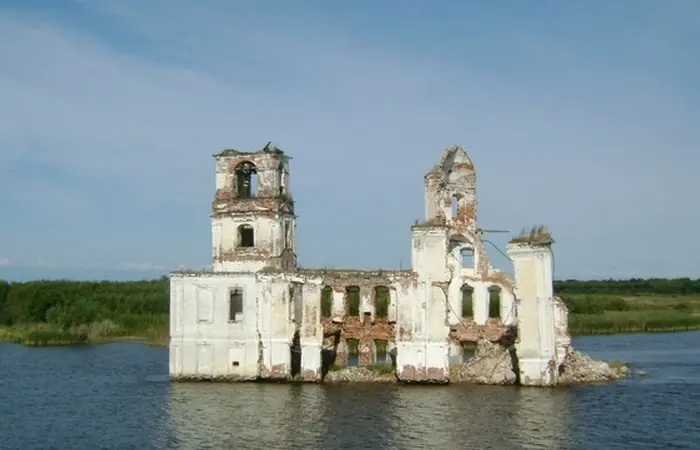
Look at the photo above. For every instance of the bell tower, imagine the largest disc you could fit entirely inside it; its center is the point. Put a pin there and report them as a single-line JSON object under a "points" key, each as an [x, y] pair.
{"points": [[253, 222]]}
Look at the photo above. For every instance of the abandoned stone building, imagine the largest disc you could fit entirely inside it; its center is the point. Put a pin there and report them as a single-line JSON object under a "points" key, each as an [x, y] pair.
{"points": [[256, 315]]}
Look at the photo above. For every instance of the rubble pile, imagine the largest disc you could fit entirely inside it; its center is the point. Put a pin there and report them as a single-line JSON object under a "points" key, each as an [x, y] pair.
{"points": [[491, 364]]}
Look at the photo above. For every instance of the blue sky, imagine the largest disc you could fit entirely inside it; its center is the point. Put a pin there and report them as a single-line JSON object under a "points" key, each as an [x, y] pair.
{"points": [[581, 115]]}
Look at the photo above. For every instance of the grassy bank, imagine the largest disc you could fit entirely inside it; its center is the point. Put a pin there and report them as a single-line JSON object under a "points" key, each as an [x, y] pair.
{"points": [[154, 331], [606, 314], [73, 312]]}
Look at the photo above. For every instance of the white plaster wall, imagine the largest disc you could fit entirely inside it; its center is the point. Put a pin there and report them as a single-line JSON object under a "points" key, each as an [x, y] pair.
{"points": [[393, 305], [275, 326], [268, 233], [480, 302], [422, 329], [366, 303], [429, 253], [508, 310], [405, 306], [536, 322], [311, 330], [203, 342], [454, 289], [338, 305]]}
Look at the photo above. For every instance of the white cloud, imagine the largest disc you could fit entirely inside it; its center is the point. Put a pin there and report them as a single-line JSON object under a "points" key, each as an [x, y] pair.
{"points": [[4, 261]]}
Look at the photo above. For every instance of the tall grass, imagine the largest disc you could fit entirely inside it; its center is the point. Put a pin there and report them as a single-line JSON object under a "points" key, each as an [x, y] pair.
{"points": [[611, 322]]}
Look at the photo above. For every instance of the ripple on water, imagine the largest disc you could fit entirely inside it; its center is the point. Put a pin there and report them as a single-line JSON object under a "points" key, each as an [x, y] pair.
{"points": [[118, 396]]}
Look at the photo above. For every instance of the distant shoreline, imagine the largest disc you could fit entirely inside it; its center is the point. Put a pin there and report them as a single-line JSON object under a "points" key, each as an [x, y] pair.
{"points": [[26, 335], [64, 312]]}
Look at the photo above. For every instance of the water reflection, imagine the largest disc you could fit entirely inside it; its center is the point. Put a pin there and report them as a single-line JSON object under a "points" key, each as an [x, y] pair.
{"points": [[542, 418], [117, 396], [243, 415], [358, 416]]}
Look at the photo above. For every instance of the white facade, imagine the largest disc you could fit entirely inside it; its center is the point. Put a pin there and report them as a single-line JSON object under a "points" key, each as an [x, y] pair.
{"points": [[544, 342], [256, 315]]}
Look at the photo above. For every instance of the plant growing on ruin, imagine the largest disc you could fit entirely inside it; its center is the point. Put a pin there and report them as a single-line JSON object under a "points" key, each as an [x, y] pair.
{"points": [[537, 235]]}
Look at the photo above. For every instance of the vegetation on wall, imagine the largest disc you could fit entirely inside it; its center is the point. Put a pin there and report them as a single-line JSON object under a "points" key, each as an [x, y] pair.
{"points": [[69, 312]]}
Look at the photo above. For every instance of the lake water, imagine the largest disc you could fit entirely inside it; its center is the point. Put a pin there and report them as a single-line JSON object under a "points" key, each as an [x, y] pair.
{"points": [[117, 396]]}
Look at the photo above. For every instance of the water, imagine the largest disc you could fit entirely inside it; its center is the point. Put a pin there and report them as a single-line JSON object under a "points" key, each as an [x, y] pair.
{"points": [[117, 396]]}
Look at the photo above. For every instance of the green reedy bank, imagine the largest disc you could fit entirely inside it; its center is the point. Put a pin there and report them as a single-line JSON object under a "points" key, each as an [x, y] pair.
{"points": [[79, 312], [84, 312]]}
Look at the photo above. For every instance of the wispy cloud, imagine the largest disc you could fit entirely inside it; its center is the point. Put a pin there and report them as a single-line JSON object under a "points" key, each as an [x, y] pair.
{"points": [[111, 111]]}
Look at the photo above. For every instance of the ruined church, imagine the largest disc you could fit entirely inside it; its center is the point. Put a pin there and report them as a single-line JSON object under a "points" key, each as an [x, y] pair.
{"points": [[256, 315]]}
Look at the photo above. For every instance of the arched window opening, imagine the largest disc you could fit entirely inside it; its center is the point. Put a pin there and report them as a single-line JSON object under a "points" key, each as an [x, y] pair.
{"points": [[353, 346], [352, 300], [326, 301], [282, 178], [287, 234], [246, 180], [467, 257], [381, 355], [494, 301], [381, 302], [455, 205], [467, 301], [246, 236]]}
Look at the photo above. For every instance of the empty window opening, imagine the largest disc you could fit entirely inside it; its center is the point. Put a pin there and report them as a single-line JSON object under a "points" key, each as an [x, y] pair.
{"points": [[468, 350], [235, 312], [287, 234], [282, 171], [246, 180], [381, 302], [353, 346], [295, 303], [326, 301], [467, 255], [295, 354], [494, 301], [246, 236], [236, 364], [467, 301], [455, 205], [352, 300], [382, 357]]}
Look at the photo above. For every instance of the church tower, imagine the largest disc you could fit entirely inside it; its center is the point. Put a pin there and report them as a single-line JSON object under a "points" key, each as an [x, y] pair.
{"points": [[253, 223]]}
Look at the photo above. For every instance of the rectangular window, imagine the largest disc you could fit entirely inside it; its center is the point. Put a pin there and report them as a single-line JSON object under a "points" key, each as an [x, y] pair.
{"points": [[235, 305]]}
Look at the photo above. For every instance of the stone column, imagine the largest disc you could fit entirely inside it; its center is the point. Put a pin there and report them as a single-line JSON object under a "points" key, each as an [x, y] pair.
{"points": [[366, 352], [393, 306], [535, 312], [338, 304], [366, 303], [454, 300], [311, 332], [341, 356], [561, 331], [480, 303]]}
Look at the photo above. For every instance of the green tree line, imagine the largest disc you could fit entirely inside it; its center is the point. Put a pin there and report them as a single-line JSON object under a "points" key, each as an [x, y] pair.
{"points": [[633, 286], [135, 306]]}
